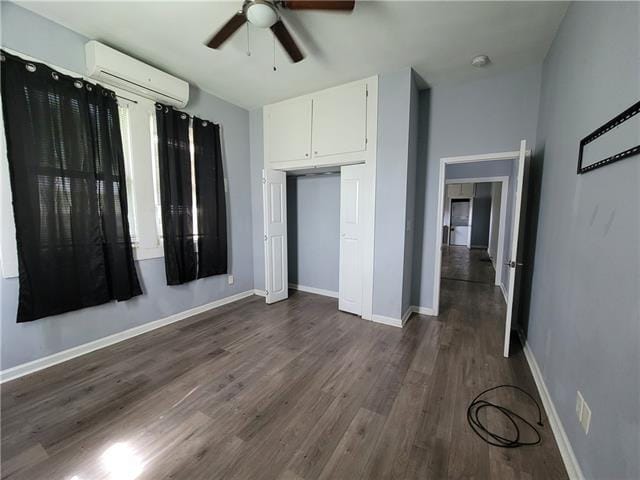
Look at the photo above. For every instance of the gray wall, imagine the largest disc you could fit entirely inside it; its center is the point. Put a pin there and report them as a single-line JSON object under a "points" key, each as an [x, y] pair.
{"points": [[584, 322], [313, 230], [256, 145], [412, 165], [487, 115], [496, 197], [33, 35], [394, 99], [481, 215]]}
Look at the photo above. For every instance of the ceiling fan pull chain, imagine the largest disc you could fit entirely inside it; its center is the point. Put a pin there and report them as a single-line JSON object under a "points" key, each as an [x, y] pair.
{"points": [[274, 52], [248, 42]]}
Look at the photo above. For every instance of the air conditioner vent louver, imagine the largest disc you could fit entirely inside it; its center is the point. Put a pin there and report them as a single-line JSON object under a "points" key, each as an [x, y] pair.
{"points": [[119, 70]]}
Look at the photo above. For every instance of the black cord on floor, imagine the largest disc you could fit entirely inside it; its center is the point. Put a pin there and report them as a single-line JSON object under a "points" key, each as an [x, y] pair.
{"points": [[492, 438]]}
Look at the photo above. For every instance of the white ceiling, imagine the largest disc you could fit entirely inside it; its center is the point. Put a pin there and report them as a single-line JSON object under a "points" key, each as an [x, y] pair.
{"points": [[438, 39]]}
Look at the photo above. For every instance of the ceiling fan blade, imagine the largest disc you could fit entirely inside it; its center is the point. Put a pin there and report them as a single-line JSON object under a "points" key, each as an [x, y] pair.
{"points": [[346, 5], [287, 41], [227, 30]]}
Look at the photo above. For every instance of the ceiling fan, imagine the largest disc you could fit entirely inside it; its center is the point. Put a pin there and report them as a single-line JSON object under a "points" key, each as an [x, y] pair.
{"points": [[265, 14]]}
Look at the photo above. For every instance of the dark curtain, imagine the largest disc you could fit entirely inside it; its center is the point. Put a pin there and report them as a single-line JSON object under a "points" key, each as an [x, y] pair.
{"points": [[210, 199], [176, 195], [69, 197]]}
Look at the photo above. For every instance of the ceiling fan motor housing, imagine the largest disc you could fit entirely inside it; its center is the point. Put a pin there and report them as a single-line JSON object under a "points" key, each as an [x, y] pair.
{"points": [[261, 13]]}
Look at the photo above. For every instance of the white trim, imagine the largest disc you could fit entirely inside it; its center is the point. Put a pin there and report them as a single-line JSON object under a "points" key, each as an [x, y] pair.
{"points": [[566, 451], [317, 291], [423, 310], [406, 316], [259, 293], [504, 292], [483, 157], [393, 322], [59, 357]]}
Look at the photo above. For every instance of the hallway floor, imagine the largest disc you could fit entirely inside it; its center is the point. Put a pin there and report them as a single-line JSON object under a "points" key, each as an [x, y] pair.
{"points": [[295, 390]]}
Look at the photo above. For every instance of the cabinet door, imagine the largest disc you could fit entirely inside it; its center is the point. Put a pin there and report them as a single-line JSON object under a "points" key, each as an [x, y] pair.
{"points": [[340, 120], [289, 131]]}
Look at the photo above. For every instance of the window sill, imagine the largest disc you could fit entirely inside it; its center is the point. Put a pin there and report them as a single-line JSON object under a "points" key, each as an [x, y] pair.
{"points": [[147, 253]]}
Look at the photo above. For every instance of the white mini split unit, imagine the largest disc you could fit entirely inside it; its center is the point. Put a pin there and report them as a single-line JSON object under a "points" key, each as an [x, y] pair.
{"points": [[114, 68]]}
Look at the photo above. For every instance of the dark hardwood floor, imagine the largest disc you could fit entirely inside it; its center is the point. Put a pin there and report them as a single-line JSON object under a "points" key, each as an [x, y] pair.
{"points": [[296, 390]]}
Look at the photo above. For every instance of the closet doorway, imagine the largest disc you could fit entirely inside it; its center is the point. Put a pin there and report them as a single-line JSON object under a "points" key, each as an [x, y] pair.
{"points": [[318, 237]]}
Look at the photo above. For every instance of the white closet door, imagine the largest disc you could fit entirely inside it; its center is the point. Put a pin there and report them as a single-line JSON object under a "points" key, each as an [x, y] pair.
{"points": [[275, 234], [352, 180]]}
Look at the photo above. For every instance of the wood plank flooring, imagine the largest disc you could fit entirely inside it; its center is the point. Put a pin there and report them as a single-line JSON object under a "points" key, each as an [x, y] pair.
{"points": [[295, 390]]}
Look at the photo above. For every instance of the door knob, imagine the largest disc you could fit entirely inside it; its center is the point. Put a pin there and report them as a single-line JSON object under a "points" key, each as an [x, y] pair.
{"points": [[513, 264]]}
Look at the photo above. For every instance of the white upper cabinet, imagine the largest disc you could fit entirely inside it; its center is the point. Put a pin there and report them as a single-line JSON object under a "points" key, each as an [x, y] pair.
{"points": [[340, 120], [332, 127], [287, 130]]}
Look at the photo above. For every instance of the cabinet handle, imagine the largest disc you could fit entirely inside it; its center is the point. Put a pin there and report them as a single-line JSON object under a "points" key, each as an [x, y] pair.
{"points": [[306, 154], [315, 153]]}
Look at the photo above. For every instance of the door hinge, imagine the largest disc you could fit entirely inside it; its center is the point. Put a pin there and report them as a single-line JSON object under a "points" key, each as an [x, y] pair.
{"points": [[264, 180], [513, 264], [265, 238], [266, 293]]}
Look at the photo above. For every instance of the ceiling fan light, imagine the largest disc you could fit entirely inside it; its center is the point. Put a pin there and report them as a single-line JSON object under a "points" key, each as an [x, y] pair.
{"points": [[262, 14]]}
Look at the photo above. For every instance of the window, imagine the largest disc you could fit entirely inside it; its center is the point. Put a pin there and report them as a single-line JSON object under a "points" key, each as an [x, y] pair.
{"points": [[125, 129], [156, 178]]}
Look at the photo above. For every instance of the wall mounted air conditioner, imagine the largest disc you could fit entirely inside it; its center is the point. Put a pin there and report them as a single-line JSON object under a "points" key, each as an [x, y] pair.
{"points": [[112, 67]]}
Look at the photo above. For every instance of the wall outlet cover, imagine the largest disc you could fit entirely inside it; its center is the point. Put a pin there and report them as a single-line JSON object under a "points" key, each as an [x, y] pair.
{"points": [[585, 421], [579, 404], [230, 279]]}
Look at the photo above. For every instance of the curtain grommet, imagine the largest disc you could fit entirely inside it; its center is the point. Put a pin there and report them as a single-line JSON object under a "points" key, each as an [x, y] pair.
{"points": [[55, 75], [183, 116], [77, 84], [89, 87], [30, 67], [158, 106], [2, 57], [204, 124]]}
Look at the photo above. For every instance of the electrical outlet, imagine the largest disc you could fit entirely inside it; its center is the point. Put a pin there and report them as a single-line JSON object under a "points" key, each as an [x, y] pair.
{"points": [[579, 404], [230, 279], [585, 420]]}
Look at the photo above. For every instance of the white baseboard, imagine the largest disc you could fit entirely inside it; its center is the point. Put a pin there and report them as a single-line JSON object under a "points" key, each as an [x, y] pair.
{"points": [[48, 361], [566, 451], [504, 292], [423, 310], [394, 322], [260, 293], [317, 291]]}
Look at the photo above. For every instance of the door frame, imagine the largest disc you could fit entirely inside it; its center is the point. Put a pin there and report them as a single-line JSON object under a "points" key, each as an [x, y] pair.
{"points": [[487, 157], [499, 260]]}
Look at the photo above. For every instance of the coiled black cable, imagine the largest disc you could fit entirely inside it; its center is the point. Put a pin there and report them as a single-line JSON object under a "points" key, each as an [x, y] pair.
{"points": [[492, 438]]}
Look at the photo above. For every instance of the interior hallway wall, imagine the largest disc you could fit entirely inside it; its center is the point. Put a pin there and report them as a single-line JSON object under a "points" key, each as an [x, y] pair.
{"points": [[496, 197], [487, 115], [313, 230], [36, 36], [481, 215], [584, 316]]}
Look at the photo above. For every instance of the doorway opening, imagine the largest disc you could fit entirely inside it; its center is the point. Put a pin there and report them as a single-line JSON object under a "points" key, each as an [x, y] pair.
{"points": [[493, 186]]}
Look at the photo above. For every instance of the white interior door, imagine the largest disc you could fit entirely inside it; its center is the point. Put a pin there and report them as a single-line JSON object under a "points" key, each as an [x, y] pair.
{"points": [[352, 179], [515, 262], [274, 189]]}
